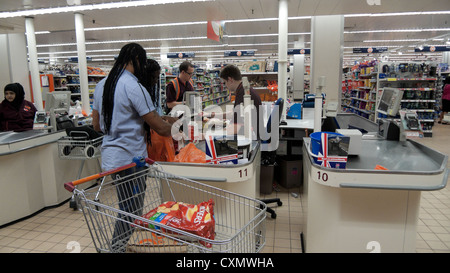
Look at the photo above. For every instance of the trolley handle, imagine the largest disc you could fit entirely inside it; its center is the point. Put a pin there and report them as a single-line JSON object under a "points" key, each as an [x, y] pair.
{"points": [[137, 161]]}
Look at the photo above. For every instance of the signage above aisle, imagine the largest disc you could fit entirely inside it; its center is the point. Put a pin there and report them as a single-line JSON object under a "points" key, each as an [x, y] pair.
{"points": [[432, 49], [180, 55], [369, 49], [75, 59], [305, 51], [239, 53]]}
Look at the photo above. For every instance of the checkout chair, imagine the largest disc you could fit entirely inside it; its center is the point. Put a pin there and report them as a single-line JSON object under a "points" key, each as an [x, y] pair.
{"points": [[272, 154]]}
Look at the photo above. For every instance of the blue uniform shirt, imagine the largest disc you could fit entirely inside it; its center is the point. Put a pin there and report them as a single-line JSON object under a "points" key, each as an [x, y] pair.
{"points": [[126, 138]]}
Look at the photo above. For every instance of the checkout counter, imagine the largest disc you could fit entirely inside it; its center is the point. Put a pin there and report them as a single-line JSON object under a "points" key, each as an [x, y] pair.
{"points": [[32, 174], [361, 208], [242, 178]]}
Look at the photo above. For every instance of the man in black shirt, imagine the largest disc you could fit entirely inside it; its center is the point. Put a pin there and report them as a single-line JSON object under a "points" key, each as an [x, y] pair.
{"points": [[231, 75]]}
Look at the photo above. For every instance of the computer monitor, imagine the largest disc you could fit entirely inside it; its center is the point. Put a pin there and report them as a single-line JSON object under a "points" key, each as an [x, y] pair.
{"points": [[390, 101], [58, 101]]}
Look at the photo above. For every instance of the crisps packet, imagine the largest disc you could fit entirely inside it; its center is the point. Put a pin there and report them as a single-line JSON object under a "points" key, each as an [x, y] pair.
{"points": [[196, 219]]}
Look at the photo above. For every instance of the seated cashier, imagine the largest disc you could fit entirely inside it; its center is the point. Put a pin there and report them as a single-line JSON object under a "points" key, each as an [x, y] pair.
{"points": [[16, 113]]}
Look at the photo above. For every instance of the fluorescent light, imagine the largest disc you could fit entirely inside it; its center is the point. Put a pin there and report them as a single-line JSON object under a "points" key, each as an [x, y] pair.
{"points": [[91, 7], [397, 30], [126, 41], [250, 20], [193, 23], [264, 35], [175, 39], [146, 40], [397, 14], [146, 26], [393, 41]]}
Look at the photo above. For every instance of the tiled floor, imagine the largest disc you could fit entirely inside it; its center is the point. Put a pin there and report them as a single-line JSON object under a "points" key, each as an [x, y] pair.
{"points": [[61, 229]]}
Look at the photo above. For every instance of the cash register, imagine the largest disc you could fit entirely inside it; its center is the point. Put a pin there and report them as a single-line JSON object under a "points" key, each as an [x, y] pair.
{"points": [[56, 114], [391, 128]]}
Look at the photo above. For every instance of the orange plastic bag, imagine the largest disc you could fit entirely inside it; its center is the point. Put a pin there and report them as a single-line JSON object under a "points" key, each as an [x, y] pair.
{"points": [[161, 148], [190, 154]]}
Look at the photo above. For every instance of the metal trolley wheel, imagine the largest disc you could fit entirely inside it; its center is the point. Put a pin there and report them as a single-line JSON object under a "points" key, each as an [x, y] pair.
{"points": [[89, 151]]}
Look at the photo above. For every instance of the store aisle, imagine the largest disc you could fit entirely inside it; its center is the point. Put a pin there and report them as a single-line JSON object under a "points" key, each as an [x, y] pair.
{"points": [[433, 234], [61, 229]]}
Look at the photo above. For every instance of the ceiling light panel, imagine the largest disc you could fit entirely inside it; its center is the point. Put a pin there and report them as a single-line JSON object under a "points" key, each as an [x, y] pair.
{"points": [[102, 6]]}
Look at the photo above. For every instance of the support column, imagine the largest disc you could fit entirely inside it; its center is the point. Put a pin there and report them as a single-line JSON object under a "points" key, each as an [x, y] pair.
{"points": [[327, 39], [34, 66], [82, 63], [446, 57], [282, 52], [299, 72]]}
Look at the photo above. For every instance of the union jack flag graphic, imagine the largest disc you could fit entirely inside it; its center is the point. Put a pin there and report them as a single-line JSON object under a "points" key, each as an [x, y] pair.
{"points": [[330, 161], [213, 158]]}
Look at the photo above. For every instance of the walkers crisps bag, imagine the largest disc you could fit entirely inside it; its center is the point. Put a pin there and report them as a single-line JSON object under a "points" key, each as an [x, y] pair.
{"points": [[196, 219]]}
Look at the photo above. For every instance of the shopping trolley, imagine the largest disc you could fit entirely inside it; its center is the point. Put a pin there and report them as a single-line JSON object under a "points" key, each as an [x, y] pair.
{"points": [[81, 143], [239, 220]]}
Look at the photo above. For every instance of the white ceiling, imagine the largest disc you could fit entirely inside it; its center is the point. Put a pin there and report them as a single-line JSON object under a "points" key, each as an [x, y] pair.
{"points": [[62, 26]]}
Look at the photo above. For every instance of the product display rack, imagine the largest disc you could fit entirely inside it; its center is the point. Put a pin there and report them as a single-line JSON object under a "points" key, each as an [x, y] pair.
{"points": [[362, 89], [207, 83], [444, 72], [260, 82], [214, 92], [418, 82], [66, 78], [359, 90]]}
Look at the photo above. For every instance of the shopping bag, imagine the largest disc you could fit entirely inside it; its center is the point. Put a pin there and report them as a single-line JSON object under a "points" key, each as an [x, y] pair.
{"points": [[190, 154], [161, 148]]}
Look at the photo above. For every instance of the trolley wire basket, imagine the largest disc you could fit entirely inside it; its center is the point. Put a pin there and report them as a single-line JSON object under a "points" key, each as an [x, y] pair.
{"points": [[79, 147], [81, 143], [239, 221]]}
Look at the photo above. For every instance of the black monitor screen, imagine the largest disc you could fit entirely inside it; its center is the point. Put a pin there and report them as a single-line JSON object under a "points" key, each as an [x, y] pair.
{"points": [[385, 100]]}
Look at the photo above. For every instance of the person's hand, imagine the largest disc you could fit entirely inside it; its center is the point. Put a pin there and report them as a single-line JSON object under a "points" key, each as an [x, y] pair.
{"points": [[206, 114], [169, 119]]}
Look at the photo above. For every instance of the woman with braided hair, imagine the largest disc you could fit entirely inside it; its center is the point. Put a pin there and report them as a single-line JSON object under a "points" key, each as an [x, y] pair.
{"points": [[121, 107]]}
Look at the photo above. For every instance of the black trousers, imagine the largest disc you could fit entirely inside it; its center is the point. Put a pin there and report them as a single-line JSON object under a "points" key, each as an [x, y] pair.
{"points": [[130, 193]]}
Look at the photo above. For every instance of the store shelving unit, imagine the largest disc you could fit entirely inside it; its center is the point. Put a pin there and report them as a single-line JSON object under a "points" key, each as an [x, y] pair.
{"points": [[214, 92], [419, 90], [363, 86], [259, 82], [66, 78], [207, 83], [359, 92], [73, 85]]}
